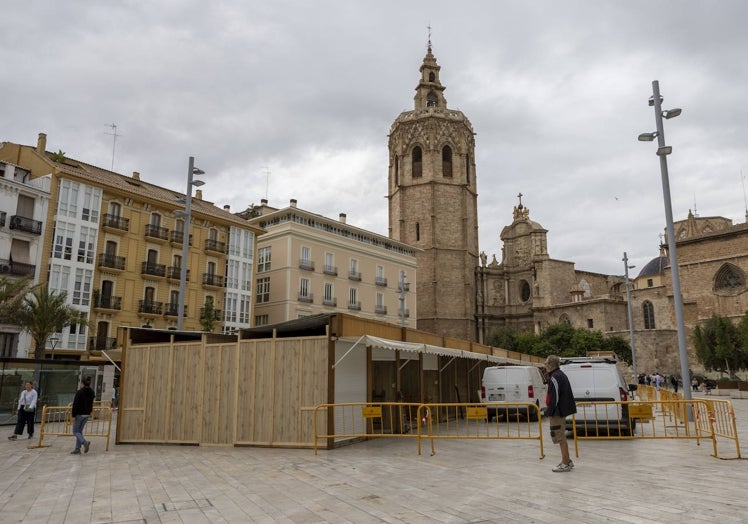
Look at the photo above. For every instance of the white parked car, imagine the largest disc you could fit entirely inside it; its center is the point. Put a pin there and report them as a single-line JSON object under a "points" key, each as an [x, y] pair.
{"points": [[503, 386]]}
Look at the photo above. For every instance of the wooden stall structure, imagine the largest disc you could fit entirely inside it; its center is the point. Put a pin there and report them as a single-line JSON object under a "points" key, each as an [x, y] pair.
{"points": [[260, 388]]}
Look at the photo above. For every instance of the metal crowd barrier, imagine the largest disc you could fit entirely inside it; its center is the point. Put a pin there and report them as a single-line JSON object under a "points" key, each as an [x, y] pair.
{"points": [[433, 421], [672, 418], [58, 421]]}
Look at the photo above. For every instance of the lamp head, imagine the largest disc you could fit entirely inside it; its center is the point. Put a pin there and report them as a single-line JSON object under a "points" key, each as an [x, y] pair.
{"points": [[197, 171], [198, 183], [647, 137], [664, 150], [671, 113]]}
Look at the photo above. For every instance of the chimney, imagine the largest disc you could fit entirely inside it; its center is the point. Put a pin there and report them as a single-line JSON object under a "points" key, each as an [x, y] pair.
{"points": [[264, 202], [135, 175], [227, 207], [293, 202], [41, 143], [199, 194], [342, 217]]}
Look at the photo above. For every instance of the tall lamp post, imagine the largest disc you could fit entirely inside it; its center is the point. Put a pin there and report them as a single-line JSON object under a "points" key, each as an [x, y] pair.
{"points": [[187, 214], [53, 342], [662, 152], [631, 316]]}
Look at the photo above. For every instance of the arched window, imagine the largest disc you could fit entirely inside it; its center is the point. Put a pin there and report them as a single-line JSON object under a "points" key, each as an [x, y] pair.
{"points": [[729, 279], [432, 77], [467, 169], [418, 231], [397, 171], [447, 161], [417, 159], [649, 315], [431, 99], [564, 319]]}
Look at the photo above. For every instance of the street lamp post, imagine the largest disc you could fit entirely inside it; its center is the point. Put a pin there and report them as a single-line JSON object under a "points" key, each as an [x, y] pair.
{"points": [[53, 341], [187, 213], [631, 316], [662, 152]]}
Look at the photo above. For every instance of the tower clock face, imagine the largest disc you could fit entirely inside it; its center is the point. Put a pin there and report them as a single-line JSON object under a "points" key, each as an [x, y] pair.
{"points": [[524, 290]]}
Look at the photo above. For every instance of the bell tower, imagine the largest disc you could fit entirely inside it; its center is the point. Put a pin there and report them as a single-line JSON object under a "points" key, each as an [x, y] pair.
{"points": [[433, 204]]}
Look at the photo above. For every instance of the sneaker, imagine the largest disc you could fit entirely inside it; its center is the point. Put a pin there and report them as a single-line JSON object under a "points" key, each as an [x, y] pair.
{"points": [[570, 464], [562, 468], [75, 452], [31, 436], [13, 437], [87, 444]]}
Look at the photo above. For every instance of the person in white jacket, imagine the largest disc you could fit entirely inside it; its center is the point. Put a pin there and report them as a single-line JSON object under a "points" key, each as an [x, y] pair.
{"points": [[26, 411]]}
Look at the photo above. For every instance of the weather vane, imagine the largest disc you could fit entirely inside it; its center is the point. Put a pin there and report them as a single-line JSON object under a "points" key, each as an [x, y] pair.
{"points": [[429, 28]]}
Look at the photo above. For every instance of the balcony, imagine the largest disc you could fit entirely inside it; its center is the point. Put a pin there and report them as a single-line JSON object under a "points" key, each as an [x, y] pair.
{"points": [[380, 310], [18, 269], [115, 223], [108, 302], [381, 281], [355, 306], [111, 261], [405, 288], [217, 313], [354, 275], [215, 246], [306, 264], [156, 232], [177, 237], [308, 298], [155, 270], [333, 302], [175, 273], [209, 279], [101, 343], [27, 225], [172, 309], [149, 307], [331, 270]]}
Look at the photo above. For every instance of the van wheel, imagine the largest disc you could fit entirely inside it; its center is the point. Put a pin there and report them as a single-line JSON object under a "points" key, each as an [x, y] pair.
{"points": [[532, 415]]}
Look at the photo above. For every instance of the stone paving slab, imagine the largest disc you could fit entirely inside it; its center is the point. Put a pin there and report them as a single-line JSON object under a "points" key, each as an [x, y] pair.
{"points": [[385, 480]]}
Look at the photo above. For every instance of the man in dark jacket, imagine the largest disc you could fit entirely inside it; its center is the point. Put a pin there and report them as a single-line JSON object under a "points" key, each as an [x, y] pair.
{"points": [[561, 404], [82, 408]]}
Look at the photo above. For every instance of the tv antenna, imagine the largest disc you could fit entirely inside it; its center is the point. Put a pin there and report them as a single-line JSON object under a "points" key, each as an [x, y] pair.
{"points": [[267, 180], [114, 139]]}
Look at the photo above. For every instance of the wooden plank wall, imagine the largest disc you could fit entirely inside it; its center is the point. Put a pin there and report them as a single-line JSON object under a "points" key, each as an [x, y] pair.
{"points": [[252, 392]]}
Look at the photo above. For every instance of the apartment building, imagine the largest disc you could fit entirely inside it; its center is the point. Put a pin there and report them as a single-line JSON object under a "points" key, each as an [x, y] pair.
{"points": [[23, 213], [114, 245], [309, 264]]}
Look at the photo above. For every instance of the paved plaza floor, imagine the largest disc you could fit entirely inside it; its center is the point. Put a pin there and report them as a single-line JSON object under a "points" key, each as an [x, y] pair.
{"points": [[385, 480]]}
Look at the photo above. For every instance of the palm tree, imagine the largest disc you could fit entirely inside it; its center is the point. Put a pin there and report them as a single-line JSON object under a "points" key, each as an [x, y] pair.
{"points": [[12, 291], [44, 312]]}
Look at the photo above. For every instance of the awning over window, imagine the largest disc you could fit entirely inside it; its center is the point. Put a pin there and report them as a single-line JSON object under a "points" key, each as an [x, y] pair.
{"points": [[396, 345]]}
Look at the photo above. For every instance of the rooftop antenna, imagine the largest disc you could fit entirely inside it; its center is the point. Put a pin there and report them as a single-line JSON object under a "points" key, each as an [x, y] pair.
{"points": [[695, 212], [114, 139], [267, 180]]}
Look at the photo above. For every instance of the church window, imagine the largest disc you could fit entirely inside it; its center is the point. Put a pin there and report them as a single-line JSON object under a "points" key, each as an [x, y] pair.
{"points": [[524, 290], [397, 171], [447, 161], [729, 279], [590, 323], [417, 159], [418, 231], [649, 315], [432, 77], [564, 319], [650, 282], [431, 100], [467, 168]]}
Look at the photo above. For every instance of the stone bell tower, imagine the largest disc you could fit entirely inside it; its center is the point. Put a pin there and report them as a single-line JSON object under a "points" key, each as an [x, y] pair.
{"points": [[433, 204]]}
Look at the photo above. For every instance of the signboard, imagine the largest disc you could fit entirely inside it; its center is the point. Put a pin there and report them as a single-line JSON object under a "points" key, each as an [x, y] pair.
{"points": [[371, 411], [640, 411], [477, 413]]}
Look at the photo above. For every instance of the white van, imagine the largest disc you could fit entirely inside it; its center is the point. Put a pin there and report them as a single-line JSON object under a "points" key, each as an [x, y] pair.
{"points": [[503, 386], [595, 379]]}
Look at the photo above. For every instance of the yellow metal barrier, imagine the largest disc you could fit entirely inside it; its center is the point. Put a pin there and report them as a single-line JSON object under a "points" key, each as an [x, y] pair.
{"points": [[471, 421], [673, 418], [426, 421], [58, 421]]}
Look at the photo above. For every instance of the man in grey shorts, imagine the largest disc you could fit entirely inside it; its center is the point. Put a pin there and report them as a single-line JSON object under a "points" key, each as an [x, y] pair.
{"points": [[561, 404]]}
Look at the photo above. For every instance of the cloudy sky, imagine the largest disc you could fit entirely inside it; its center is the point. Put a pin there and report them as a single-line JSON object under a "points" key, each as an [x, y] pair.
{"points": [[294, 99]]}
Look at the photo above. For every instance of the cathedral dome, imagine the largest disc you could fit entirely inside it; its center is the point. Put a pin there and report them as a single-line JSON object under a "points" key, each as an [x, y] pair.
{"points": [[654, 267]]}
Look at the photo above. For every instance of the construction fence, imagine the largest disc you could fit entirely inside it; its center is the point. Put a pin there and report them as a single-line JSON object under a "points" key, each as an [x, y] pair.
{"points": [[58, 421]]}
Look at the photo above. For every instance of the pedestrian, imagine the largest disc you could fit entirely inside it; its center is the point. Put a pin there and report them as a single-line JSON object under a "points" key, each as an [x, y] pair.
{"points": [[82, 408], [674, 383], [115, 398], [26, 411], [561, 404], [695, 385]]}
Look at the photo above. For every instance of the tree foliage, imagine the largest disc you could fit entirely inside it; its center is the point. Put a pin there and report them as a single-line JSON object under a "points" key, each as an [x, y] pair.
{"points": [[12, 291], [252, 211], [43, 312], [209, 317], [559, 339], [721, 345]]}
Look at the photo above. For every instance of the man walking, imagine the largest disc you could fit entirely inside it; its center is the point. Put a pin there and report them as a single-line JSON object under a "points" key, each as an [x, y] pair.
{"points": [[561, 404], [82, 408]]}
